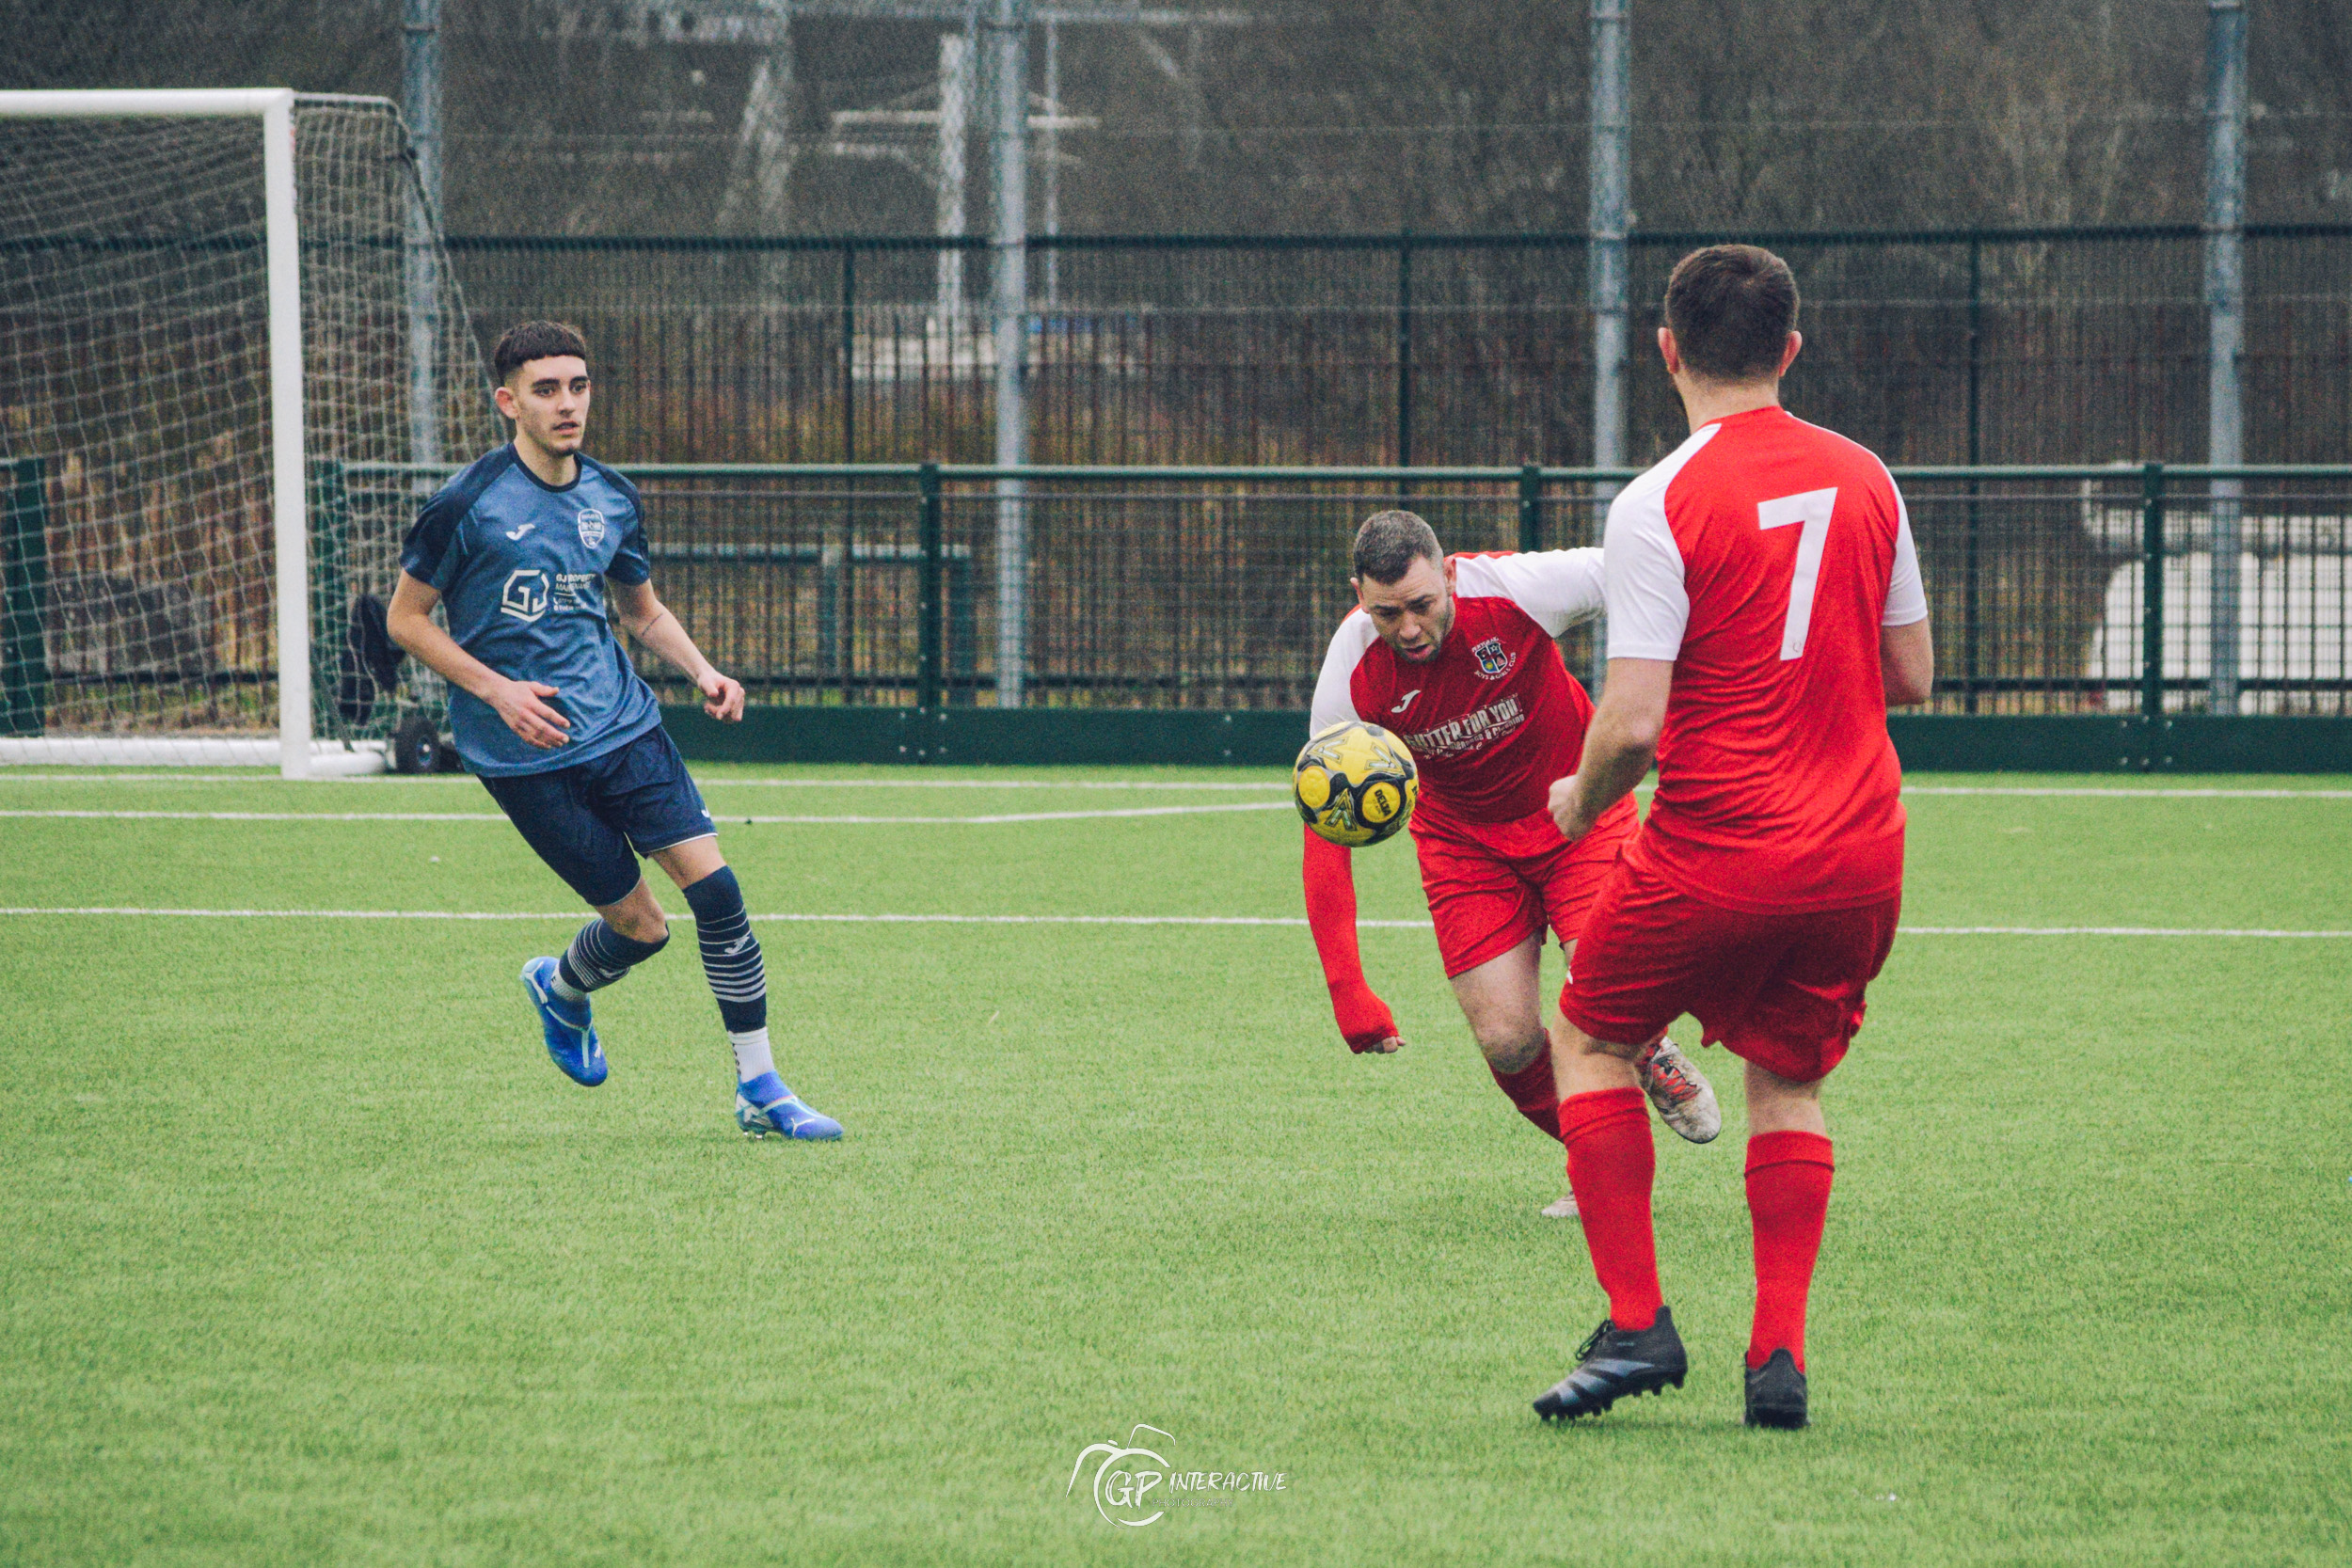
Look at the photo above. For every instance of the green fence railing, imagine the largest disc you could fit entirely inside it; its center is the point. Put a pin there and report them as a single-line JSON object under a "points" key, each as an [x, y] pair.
{"points": [[2102, 589]]}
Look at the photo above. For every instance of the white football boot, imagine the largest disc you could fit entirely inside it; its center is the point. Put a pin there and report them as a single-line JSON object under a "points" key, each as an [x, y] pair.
{"points": [[1684, 1098], [1562, 1207]]}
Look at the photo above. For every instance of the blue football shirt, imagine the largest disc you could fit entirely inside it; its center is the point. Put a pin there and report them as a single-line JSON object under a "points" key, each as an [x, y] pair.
{"points": [[520, 566]]}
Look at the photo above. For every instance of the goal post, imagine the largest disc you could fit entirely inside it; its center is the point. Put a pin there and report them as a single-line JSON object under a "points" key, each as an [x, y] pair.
{"points": [[211, 347]]}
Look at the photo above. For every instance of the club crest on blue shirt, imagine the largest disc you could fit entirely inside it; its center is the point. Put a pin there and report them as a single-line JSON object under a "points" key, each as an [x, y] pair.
{"points": [[525, 596], [1494, 660], [591, 527]]}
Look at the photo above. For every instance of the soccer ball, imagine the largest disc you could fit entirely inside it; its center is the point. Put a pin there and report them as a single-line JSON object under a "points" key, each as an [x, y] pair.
{"points": [[1355, 784]]}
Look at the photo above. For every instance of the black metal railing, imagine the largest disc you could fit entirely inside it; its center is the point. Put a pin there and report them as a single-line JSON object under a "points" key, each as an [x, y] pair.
{"points": [[2067, 589], [2007, 345]]}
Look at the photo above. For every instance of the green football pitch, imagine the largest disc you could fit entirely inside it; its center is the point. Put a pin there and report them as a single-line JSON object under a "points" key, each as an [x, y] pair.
{"points": [[307, 1254]]}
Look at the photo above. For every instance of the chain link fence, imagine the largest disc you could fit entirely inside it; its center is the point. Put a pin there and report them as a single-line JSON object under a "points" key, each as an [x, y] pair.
{"points": [[2061, 345]]}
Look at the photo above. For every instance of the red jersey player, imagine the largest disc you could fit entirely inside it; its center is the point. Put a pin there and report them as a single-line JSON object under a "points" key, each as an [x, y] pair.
{"points": [[1455, 656], [1764, 608]]}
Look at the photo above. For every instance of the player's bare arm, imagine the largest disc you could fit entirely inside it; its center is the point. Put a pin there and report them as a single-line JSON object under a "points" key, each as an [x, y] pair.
{"points": [[1907, 655], [1618, 747], [409, 619], [644, 617]]}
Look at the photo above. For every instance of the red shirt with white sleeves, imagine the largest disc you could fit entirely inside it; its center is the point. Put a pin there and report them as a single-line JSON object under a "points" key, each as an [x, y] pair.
{"points": [[1762, 557], [1495, 717]]}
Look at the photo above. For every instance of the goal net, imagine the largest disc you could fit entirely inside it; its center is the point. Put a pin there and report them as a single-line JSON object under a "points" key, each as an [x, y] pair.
{"points": [[201, 502]]}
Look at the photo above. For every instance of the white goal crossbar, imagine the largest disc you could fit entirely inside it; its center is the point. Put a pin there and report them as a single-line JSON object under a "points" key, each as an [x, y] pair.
{"points": [[289, 505]]}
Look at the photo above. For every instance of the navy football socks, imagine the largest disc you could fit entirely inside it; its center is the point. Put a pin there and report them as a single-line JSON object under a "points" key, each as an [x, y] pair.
{"points": [[598, 957], [731, 962]]}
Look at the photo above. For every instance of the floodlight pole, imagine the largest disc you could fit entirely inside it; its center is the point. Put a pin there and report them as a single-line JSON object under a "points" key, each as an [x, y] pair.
{"points": [[421, 106], [1053, 162], [955, 77], [1609, 218], [1008, 32], [2225, 310]]}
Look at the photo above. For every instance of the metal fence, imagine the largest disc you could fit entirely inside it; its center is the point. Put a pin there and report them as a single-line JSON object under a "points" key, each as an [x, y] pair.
{"points": [[2054, 590], [2045, 345]]}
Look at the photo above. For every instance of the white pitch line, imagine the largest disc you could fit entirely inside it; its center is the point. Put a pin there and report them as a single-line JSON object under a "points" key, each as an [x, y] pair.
{"points": [[1101, 920], [2105, 931], [266, 815], [821, 919], [259, 780], [2123, 794], [2115, 792], [724, 817]]}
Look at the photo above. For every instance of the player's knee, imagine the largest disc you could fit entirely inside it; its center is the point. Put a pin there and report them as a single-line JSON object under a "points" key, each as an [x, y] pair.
{"points": [[1509, 1048], [650, 927]]}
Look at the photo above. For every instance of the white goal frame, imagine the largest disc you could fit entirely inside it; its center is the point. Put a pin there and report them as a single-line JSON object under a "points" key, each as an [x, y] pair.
{"points": [[289, 501]]}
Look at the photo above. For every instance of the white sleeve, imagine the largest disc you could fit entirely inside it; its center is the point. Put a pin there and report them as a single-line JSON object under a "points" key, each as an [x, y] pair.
{"points": [[1556, 588], [1906, 595], [1649, 608], [1335, 697]]}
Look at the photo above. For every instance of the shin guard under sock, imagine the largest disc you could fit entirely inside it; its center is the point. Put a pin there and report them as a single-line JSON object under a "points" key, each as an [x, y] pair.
{"points": [[732, 963], [1611, 1163], [1533, 1091], [1789, 1183], [598, 957]]}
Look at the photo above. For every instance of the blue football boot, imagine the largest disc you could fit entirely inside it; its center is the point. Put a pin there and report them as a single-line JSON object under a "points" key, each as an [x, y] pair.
{"points": [[571, 1037], [764, 1105]]}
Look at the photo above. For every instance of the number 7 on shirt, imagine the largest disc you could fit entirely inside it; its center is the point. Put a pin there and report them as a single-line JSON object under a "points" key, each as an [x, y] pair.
{"points": [[1812, 508]]}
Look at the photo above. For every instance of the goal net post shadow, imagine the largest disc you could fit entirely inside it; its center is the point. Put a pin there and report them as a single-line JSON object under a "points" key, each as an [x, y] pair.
{"points": [[233, 358]]}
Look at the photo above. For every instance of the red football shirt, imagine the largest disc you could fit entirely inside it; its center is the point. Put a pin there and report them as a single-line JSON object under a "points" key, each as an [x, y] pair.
{"points": [[1495, 717], [1763, 557]]}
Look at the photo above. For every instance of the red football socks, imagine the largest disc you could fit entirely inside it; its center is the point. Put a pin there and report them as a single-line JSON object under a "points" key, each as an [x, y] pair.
{"points": [[1610, 1164], [1533, 1091], [1788, 1180]]}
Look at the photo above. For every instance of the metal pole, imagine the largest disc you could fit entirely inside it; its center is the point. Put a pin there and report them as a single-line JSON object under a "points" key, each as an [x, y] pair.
{"points": [[836, 591], [1531, 508], [849, 351], [1007, 30], [2152, 597], [421, 103], [1610, 215], [1404, 353], [955, 94], [1053, 162], [929, 625], [2225, 307], [1970, 641]]}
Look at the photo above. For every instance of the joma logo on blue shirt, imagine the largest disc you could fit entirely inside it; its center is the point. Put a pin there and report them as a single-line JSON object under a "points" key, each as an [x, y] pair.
{"points": [[525, 596]]}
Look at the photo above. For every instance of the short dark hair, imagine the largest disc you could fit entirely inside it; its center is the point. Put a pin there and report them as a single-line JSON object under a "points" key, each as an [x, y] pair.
{"points": [[1731, 309], [1388, 544], [527, 341]]}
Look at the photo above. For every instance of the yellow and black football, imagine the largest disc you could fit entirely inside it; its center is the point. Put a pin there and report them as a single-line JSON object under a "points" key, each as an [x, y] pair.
{"points": [[1354, 784]]}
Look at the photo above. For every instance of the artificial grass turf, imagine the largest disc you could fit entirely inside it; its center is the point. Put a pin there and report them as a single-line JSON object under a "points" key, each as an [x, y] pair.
{"points": [[312, 1255]]}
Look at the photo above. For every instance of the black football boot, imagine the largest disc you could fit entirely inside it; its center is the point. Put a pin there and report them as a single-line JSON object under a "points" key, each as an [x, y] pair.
{"points": [[1776, 1392], [1614, 1364]]}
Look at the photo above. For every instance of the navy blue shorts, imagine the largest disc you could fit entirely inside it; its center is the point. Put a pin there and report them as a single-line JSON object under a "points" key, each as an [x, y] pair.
{"points": [[591, 822]]}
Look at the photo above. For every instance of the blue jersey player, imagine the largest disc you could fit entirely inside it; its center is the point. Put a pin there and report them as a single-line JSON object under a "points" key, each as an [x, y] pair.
{"points": [[523, 549]]}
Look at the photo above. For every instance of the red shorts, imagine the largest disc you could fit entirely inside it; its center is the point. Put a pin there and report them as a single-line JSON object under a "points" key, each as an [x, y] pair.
{"points": [[1492, 885], [1782, 990]]}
